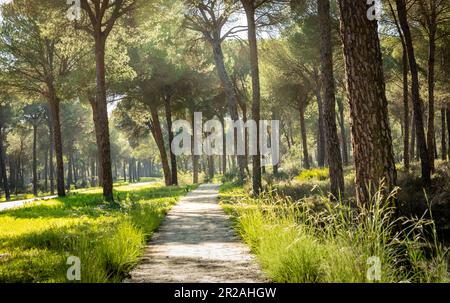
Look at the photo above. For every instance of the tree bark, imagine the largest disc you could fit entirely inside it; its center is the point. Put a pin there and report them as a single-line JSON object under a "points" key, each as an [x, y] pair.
{"points": [[51, 149], [103, 145], [321, 143], [418, 116], [224, 143], [329, 110], [345, 154], [159, 139], [4, 175], [405, 69], [444, 133], [211, 168], [57, 137], [447, 113], [412, 149], [173, 159], [35, 185], [46, 171], [275, 117], [249, 7], [372, 141], [230, 93], [130, 171], [301, 108], [431, 84], [124, 164], [448, 127], [70, 169]]}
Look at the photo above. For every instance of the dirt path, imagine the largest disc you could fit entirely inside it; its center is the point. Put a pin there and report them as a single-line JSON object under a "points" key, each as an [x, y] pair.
{"points": [[21, 203], [196, 243]]}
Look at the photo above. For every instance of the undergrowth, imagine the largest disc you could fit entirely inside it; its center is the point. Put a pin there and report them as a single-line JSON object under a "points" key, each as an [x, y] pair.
{"points": [[297, 241]]}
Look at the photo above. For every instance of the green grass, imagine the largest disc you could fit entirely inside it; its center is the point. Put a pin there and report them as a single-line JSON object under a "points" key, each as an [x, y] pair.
{"points": [[319, 174], [35, 241], [27, 196], [295, 242], [21, 197]]}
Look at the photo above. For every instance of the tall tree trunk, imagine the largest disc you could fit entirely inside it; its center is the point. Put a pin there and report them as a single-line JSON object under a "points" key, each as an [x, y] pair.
{"points": [[130, 171], [275, 117], [104, 147], [444, 133], [329, 110], [70, 169], [97, 126], [4, 176], [211, 168], [249, 7], [159, 139], [12, 172], [231, 95], [57, 138], [195, 158], [93, 173], [372, 142], [51, 148], [224, 143], [287, 135], [301, 108], [345, 155], [431, 79], [243, 107], [412, 150], [418, 116], [321, 143], [405, 109], [405, 70], [46, 171], [448, 128], [74, 170], [173, 158], [124, 170], [35, 185]]}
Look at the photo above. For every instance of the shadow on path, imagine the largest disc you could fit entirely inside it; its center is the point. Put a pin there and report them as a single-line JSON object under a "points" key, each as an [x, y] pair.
{"points": [[196, 243]]}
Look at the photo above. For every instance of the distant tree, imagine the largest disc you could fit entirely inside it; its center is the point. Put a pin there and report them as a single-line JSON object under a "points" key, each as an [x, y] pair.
{"points": [[417, 106], [209, 18], [4, 114], [433, 14], [34, 114], [332, 146], [102, 17], [32, 36]]}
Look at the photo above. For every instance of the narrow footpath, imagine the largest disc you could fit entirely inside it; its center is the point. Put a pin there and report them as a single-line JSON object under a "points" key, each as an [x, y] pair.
{"points": [[196, 243]]}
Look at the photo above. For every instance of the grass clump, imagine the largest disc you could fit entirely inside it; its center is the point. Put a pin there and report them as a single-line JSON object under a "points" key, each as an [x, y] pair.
{"points": [[295, 242], [319, 174]]}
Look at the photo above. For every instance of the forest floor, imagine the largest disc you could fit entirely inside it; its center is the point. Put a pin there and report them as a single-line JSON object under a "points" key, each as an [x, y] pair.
{"points": [[196, 243]]}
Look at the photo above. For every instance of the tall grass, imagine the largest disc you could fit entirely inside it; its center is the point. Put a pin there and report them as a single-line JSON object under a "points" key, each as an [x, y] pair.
{"points": [[319, 174], [296, 242], [35, 241]]}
